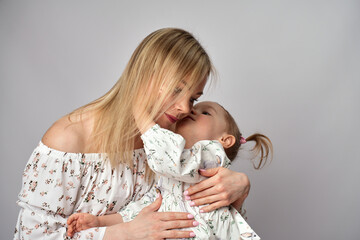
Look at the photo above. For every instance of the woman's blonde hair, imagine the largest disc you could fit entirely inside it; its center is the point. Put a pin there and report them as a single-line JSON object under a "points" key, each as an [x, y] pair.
{"points": [[163, 61], [262, 148]]}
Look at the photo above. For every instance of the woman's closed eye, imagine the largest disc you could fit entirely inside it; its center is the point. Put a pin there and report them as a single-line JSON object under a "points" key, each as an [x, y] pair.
{"points": [[192, 100], [177, 90]]}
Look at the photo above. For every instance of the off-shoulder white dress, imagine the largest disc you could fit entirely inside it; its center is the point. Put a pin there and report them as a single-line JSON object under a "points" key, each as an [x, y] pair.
{"points": [[57, 184], [177, 169]]}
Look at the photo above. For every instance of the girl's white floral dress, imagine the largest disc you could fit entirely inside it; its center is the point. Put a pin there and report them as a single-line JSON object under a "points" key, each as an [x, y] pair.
{"points": [[177, 168], [57, 184]]}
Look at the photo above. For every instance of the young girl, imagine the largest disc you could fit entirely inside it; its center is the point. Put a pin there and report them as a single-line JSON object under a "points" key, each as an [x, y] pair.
{"points": [[177, 168]]}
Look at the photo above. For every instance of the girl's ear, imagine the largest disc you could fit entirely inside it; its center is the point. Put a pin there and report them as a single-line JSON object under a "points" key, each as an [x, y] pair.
{"points": [[227, 140]]}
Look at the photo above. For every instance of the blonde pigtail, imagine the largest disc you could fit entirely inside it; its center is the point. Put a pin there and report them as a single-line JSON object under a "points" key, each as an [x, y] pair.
{"points": [[263, 148]]}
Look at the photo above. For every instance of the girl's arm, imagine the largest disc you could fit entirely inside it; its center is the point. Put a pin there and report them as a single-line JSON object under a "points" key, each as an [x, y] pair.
{"points": [[109, 220], [81, 221], [166, 155], [84, 221]]}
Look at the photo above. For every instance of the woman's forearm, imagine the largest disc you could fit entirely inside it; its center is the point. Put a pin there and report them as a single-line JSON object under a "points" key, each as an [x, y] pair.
{"points": [[238, 204], [117, 231]]}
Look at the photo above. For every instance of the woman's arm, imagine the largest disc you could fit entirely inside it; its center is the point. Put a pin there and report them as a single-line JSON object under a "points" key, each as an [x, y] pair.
{"points": [[147, 225], [153, 225], [50, 187], [222, 188]]}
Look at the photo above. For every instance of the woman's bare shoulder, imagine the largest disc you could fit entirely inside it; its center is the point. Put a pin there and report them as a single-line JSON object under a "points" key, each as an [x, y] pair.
{"points": [[66, 135]]}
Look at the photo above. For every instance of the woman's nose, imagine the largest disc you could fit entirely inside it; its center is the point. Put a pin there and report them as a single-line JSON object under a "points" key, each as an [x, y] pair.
{"points": [[184, 106]]}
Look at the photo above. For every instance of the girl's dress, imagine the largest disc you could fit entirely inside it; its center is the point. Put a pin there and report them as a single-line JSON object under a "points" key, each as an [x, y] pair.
{"points": [[57, 184], [178, 170]]}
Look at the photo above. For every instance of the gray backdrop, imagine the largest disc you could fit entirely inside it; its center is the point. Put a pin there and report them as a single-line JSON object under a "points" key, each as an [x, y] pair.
{"points": [[289, 69]]}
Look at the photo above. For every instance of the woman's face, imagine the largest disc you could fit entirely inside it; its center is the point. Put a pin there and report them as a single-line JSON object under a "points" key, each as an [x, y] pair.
{"points": [[181, 108]]}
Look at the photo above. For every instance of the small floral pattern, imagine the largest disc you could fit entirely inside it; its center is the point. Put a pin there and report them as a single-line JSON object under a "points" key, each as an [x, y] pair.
{"points": [[57, 184], [177, 168]]}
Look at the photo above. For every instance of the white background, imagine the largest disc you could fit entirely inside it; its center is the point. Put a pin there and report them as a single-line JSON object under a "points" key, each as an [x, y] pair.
{"points": [[289, 69]]}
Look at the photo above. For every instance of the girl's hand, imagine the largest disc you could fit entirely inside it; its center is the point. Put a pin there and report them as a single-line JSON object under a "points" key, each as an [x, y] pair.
{"points": [[150, 224], [222, 188], [81, 221]]}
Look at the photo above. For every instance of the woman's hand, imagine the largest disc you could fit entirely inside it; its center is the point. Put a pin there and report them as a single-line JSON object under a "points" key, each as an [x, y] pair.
{"points": [[222, 188], [150, 224]]}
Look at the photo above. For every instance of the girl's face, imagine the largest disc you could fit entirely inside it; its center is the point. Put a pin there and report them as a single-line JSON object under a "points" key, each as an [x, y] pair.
{"points": [[207, 121], [181, 108]]}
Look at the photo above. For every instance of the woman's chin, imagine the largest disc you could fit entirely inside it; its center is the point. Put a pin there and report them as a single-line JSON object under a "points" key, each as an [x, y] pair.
{"points": [[166, 124], [183, 123]]}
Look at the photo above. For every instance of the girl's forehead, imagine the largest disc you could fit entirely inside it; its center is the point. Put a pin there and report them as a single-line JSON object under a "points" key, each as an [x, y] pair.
{"points": [[217, 112], [207, 104], [217, 108]]}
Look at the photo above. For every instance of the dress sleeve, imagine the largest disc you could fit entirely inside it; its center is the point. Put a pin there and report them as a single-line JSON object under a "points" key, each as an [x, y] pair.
{"points": [[49, 194], [167, 157]]}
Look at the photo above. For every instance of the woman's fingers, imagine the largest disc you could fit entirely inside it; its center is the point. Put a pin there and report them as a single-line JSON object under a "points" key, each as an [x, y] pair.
{"points": [[205, 184], [209, 172], [153, 207], [177, 234], [169, 216], [150, 224], [207, 192], [222, 189], [214, 206], [179, 224], [212, 196], [207, 200]]}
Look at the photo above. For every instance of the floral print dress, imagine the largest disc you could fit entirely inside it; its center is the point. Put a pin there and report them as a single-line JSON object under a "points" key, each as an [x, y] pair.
{"points": [[177, 168], [57, 184]]}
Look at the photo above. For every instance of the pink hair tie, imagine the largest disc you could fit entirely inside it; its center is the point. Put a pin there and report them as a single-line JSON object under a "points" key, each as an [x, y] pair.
{"points": [[242, 140]]}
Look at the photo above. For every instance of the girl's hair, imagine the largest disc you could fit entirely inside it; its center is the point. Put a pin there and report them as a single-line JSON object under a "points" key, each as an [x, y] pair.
{"points": [[263, 145], [163, 61]]}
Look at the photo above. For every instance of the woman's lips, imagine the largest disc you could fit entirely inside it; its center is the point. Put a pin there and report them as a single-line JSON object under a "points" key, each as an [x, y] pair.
{"points": [[171, 118], [189, 117]]}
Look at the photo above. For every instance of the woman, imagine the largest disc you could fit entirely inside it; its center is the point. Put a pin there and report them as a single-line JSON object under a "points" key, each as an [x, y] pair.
{"points": [[165, 75]]}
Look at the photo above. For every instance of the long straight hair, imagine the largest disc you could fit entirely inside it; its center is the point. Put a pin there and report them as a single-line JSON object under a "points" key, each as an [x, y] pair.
{"points": [[164, 60]]}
